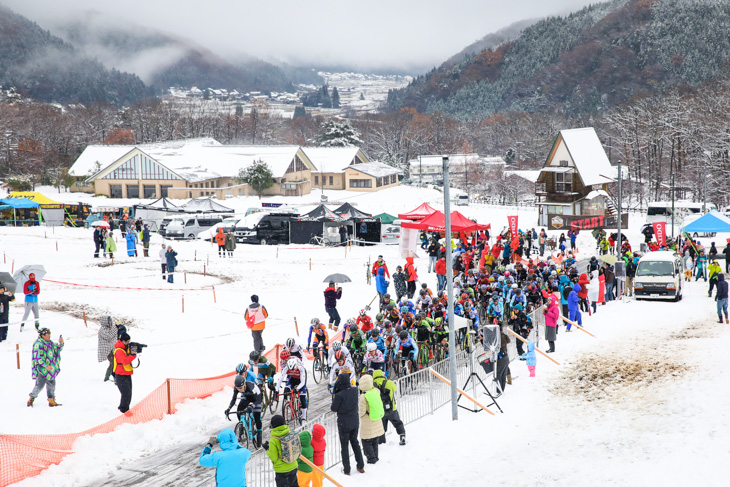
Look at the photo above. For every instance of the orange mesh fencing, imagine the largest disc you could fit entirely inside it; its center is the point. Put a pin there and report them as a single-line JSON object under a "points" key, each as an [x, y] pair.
{"points": [[23, 456]]}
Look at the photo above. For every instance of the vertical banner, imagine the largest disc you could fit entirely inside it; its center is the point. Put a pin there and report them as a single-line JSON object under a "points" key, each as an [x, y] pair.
{"points": [[660, 232], [512, 225]]}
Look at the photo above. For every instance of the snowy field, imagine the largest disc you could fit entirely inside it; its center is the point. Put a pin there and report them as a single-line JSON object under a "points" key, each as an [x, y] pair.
{"points": [[643, 403]]}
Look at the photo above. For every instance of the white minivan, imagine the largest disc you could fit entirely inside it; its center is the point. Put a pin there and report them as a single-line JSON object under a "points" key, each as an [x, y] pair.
{"points": [[659, 276]]}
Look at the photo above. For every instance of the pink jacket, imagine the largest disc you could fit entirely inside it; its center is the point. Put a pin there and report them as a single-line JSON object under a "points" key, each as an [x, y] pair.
{"points": [[552, 313]]}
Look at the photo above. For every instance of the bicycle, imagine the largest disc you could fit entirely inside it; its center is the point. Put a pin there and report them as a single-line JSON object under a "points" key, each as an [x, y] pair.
{"points": [[320, 368], [245, 429], [357, 362], [319, 241], [291, 409], [423, 354]]}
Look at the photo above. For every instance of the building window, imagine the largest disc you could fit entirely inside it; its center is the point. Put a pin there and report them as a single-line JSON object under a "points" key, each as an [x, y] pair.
{"points": [[378, 182], [163, 191], [361, 183], [563, 163], [393, 179], [316, 180], [128, 170], [115, 191], [149, 190], [563, 182], [332, 181], [132, 191], [207, 185]]}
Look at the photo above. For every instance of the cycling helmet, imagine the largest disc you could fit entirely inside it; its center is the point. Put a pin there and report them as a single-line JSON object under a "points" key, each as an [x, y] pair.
{"points": [[336, 346], [291, 363], [514, 286], [404, 309], [353, 328], [403, 335], [285, 355], [440, 294], [464, 296], [390, 307], [424, 285], [501, 279], [420, 317], [254, 356], [386, 296], [398, 329], [506, 273], [339, 355], [350, 322], [374, 333], [241, 368], [372, 347], [362, 312], [379, 317], [518, 291], [239, 381], [387, 324], [290, 342], [315, 321], [422, 292], [404, 299]]}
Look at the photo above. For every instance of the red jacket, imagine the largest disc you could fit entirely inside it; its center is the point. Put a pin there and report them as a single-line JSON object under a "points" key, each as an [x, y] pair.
{"points": [[365, 323], [410, 269], [318, 444], [377, 266], [497, 249], [220, 237], [122, 359], [440, 267], [37, 289], [583, 281]]}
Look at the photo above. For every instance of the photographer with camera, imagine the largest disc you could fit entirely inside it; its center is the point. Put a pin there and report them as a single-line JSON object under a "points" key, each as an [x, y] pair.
{"points": [[123, 370], [251, 398], [229, 463]]}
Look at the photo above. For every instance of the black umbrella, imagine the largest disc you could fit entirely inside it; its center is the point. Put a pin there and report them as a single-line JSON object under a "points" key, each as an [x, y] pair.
{"points": [[337, 278], [7, 280]]}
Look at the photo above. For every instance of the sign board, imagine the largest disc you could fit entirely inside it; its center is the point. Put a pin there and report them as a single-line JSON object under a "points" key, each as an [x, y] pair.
{"points": [[619, 269], [461, 322], [271, 205], [582, 222]]}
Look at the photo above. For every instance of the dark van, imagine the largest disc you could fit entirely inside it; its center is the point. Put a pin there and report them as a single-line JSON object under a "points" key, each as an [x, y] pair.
{"points": [[264, 229]]}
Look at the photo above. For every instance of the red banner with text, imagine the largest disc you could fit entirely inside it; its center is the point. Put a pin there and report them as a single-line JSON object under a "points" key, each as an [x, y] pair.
{"points": [[512, 225], [660, 232]]}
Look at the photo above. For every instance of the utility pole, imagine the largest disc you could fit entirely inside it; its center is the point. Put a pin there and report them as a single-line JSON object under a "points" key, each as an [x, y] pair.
{"points": [[450, 291], [619, 208]]}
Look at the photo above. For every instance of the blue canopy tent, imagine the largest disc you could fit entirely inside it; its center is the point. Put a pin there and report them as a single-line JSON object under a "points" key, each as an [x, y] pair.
{"points": [[712, 222], [18, 204]]}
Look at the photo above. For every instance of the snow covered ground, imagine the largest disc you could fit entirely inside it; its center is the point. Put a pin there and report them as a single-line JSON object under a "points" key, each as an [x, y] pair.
{"points": [[631, 407]]}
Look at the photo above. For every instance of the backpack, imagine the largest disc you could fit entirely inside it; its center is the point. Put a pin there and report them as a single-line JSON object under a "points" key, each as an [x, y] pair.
{"points": [[291, 448], [566, 292], [384, 396], [375, 406]]}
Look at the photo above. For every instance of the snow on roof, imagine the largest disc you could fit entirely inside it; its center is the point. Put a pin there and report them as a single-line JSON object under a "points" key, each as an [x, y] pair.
{"points": [[596, 193], [86, 164], [455, 159], [528, 175], [375, 169], [331, 159], [588, 155]]}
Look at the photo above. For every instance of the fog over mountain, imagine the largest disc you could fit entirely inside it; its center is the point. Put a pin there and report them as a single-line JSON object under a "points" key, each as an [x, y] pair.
{"points": [[366, 34]]}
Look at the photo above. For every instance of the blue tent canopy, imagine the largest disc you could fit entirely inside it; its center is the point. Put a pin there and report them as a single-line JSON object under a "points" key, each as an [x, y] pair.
{"points": [[19, 203], [712, 222]]}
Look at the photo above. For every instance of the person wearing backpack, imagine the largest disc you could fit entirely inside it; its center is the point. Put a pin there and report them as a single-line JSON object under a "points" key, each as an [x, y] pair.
{"points": [[283, 449], [371, 416], [387, 390], [229, 463]]}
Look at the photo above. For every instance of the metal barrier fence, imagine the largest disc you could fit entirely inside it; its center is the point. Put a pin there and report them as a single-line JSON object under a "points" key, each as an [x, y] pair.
{"points": [[417, 395]]}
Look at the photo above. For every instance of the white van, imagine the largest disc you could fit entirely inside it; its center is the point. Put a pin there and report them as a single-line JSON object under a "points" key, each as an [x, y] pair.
{"points": [[190, 226], [659, 276]]}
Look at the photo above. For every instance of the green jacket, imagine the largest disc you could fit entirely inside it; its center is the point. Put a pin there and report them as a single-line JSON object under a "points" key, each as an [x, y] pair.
{"points": [[111, 245], [305, 437], [379, 378], [274, 451], [714, 270]]}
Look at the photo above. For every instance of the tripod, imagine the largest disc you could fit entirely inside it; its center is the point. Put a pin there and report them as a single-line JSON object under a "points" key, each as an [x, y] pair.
{"points": [[474, 376]]}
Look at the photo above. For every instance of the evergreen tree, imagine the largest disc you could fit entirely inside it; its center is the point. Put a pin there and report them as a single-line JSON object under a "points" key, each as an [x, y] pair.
{"points": [[258, 175], [335, 98], [324, 97], [338, 134], [300, 112]]}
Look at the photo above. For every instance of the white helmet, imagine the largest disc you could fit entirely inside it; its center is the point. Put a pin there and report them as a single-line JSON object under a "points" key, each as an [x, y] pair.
{"points": [[514, 286], [372, 347], [315, 321], [291, 363], [290, 342], [336, 346], [404, 299]]}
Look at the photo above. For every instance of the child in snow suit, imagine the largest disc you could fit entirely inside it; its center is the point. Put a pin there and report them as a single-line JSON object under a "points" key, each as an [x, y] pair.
{"points": [[319, 444], [305, 473], [530, 357]]}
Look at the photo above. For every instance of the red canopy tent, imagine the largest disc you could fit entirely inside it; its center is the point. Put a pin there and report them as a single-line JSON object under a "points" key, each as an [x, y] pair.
{"points": [[419, 213], [436, 223]]}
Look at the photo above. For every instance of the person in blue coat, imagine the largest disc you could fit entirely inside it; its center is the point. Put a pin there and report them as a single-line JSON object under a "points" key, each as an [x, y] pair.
{"points": [[381, 284], [564, 283], [530, 357], [171, 257], [573, 307], [229, 462], [131, 244]]}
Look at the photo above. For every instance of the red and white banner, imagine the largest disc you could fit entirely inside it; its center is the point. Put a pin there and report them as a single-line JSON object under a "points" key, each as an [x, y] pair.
{"points": [[660, 232], [512, 225]]}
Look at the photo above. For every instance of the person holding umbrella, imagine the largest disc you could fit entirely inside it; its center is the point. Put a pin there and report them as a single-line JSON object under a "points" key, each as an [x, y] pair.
{"points": [[331, 295], [5, 299], [31, 289]]}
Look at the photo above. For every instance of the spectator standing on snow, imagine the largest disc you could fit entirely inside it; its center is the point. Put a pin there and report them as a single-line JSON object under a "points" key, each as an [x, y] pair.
{"points": [[343, 235], [433, 252], [387, 389], [552, 313], [411, 277], [530, 357], [331, 295], [256, 315], [345, 404], [131, 244], [220, 239], [371, 418], [440, 269], [123, 370], [305, 471], [5, 300], [721, 298], [97, 241], [229, 462], [163, 260], [46, 366], [31, 289], [319, 445], [399, 281], [381, 284], [377, 265], [123, 227], [107, 337], [146, 240], [285, 473], [171, 258], [230, 243], [111, 245], [726, 251]]}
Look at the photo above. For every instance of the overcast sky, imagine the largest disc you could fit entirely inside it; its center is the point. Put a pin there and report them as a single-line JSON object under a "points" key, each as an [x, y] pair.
{"points": [[373, 33]]}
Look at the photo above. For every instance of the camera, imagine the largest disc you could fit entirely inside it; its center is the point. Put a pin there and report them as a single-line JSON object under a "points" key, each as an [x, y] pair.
{"points": [[136, 348]]}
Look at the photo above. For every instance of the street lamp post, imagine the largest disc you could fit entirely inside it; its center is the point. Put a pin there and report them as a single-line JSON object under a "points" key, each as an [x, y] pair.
{"points": [[704, 181], [450, 291]]}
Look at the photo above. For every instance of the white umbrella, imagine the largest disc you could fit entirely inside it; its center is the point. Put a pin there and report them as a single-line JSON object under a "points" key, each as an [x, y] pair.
{"points": [[100, 223], [21, 275]]}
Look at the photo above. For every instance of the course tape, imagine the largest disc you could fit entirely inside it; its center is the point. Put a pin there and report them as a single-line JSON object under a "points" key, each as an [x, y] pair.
{"points": [[133, 288]]}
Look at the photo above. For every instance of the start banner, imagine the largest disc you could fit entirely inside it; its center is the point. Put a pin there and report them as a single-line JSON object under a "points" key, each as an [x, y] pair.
{"points": [[572, 222], [660, 232]]}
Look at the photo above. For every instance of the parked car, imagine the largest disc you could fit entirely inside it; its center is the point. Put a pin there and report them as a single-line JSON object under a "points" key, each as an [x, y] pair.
{"points": [[166, 221], [659, 276], [390, 234], [226, 225], [191, 226], [263, 228]]}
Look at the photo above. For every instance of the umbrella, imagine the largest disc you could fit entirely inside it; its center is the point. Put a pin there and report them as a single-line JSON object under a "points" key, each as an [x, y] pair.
{"points": [[7, 280], [21, 275], [609, 259], [100, 223], [338, 278]]}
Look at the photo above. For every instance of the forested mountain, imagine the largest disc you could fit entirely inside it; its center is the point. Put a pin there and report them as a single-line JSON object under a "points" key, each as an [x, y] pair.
{"points": [[491, 41], [598, 57], [46, 68]]}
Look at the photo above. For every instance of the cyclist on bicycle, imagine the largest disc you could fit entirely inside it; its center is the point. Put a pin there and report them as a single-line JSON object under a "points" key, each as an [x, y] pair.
{"points": [[343, 365], [379, 320], [364, 321], [320, 336], [377, 340], [336, 347], [494, 310], [296, 379], [407, 348], [404, 301], [251, 397], [284, 358], [392, 313], [293, 347], [406, 317], [265, 368], [357, 340], [374, 359], [386, 301], [423, 331], [423, 301], [389, 334]]}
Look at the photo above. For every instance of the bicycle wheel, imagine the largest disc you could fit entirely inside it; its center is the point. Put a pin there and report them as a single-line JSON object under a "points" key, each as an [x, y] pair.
{"points": [[273, 402], [313, 241], [241, 434], [252, 433], [317, 371], [325, 241], [264, 404], [288, 413]]}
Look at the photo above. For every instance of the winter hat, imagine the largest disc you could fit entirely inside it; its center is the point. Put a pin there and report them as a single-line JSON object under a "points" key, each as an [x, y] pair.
{"points": [[254, 298], [124, 337], [277, 420]]}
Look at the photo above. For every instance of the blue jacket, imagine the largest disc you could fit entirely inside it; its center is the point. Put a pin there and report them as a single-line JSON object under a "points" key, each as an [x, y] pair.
{"points": [[230, 462], [530, 354], [380, 343], [381, 284], [171, 260], [573, 298], [564, 281], [721, 287]]}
